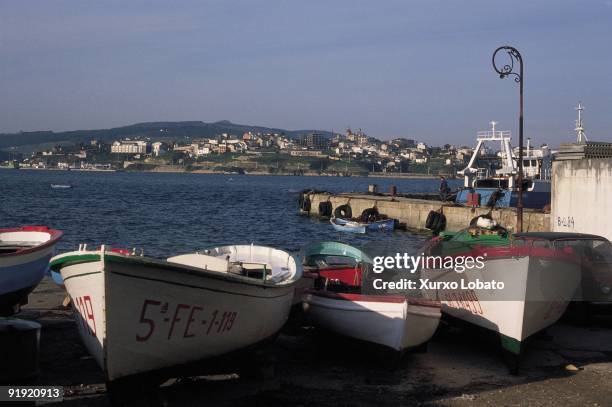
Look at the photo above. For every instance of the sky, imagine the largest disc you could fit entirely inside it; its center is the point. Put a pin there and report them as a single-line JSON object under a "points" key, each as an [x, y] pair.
{"points": [[406, 68]]}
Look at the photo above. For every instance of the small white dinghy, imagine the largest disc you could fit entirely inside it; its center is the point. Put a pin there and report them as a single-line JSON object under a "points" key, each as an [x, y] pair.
{"points": [[337, 304], [24, 258], [142, 315], [393, 321]]}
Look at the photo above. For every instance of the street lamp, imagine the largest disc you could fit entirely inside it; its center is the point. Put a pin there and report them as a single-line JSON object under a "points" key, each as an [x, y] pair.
{"points": [[508, 70]]}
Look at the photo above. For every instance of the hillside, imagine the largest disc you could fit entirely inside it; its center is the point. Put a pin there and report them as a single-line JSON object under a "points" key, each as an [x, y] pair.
{"points": [[154, 130]]}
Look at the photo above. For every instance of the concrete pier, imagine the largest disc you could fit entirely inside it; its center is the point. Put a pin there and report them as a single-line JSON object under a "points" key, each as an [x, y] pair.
{"points": [[413, 212]]}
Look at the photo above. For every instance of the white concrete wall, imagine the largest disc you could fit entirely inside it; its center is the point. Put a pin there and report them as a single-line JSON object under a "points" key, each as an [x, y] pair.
{"points": [[582, 196]]}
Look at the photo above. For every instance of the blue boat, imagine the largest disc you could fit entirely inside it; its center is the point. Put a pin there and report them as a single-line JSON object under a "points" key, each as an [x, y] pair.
{"points": [[495, 184], [495, 192], [381, 225]]}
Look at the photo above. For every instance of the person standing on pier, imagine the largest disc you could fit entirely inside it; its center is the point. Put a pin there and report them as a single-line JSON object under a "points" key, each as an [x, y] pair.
{"points": [[444, 189]]}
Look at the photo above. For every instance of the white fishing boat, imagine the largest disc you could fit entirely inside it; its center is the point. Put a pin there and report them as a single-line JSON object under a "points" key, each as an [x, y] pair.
{"points": [[337, 304], [140, 315], [524, 285], [24, 258]]}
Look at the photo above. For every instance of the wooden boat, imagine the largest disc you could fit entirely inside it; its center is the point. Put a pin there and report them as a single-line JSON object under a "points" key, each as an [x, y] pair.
{"points": [[337, 304], [379, 225], [24, 257], [138, 315], [348, 226], [539, 277]]}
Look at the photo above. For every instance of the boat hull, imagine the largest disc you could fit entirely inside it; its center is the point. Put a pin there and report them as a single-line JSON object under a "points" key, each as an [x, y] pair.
{"points": [[537, 296], [386, 225], [509, 199], [350, 227], [390, 321], [22, 271], [139, 316]]}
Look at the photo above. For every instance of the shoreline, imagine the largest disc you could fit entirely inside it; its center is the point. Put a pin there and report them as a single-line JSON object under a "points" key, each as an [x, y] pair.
{"points": [[572, 363], [177, 169]]}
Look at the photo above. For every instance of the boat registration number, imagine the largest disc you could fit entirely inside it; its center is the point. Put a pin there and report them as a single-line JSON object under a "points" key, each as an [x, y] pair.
{"points": [[465, 299], [181, 320]]}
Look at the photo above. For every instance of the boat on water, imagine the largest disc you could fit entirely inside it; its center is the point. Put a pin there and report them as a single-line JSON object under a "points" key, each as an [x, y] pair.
{"points": [[352, 226], [24, 258], [519, 284], [140, 316], [337, 303], [61, 186], [492, 180], [349, 226]]}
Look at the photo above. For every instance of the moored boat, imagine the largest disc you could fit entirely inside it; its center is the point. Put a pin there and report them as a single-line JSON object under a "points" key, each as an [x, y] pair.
{"points": [[24, 258], [337, 303], [343, 225], [138, 315], [346, 225], [492, 180]]}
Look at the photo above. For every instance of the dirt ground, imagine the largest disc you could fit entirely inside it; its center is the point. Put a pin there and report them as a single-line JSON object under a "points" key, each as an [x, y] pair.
{"points": [[569, 365]]}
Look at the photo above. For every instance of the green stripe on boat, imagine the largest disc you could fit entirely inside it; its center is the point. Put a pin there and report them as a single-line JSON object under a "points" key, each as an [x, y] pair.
{"points": [[510, 344], [74, 259]]}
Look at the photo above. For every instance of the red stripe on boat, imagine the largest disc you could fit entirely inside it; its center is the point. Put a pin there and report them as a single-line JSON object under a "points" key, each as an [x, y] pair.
{"points": [[349, 276]]}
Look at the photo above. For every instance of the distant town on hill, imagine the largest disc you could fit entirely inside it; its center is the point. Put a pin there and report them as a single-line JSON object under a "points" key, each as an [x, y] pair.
{"points": [[227, 147], [154, 130]]}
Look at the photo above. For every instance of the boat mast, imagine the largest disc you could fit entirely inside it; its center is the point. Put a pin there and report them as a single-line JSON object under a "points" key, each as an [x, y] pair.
{"points": [[581, 137]]}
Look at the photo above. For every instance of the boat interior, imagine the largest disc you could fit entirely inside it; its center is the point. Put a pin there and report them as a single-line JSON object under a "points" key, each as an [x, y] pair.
{"points": [[13, 242], [255, 262], [335, 273]]}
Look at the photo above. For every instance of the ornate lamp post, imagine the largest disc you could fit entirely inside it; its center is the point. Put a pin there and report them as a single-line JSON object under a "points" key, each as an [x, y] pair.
{"points": [[507, 70]]}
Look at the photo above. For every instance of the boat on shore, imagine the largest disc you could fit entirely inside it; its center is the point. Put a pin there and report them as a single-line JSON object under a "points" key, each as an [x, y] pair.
{"points": [[140, 316], [523, 284], [24, 258], [338, 305]]}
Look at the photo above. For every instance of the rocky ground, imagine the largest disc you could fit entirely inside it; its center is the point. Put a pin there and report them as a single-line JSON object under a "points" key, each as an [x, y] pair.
{"points": [[569, 365]]}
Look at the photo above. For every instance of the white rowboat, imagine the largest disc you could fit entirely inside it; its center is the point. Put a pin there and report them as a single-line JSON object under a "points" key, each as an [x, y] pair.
{"points": [[337, 304], [24, 258], [389, 320], [141, 315]]}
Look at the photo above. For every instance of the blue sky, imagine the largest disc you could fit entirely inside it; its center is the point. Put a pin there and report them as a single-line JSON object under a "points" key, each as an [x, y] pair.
{"points": [[417, 69]]}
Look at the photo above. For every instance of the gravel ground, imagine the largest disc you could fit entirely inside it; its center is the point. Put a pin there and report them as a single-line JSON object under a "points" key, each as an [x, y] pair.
{"points": [[569, 365]]}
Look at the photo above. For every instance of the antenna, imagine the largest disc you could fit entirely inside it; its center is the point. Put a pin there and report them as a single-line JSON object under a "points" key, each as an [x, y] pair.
{"points": [[581, 137]]}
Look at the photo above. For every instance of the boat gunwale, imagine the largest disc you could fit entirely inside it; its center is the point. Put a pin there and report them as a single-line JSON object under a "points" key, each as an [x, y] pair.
{"points": [[55, 236], [176, 267], [395, 299]]}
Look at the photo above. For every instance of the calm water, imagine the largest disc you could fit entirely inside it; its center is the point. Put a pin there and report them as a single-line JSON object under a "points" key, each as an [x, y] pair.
{"points": [[167, 214]]}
